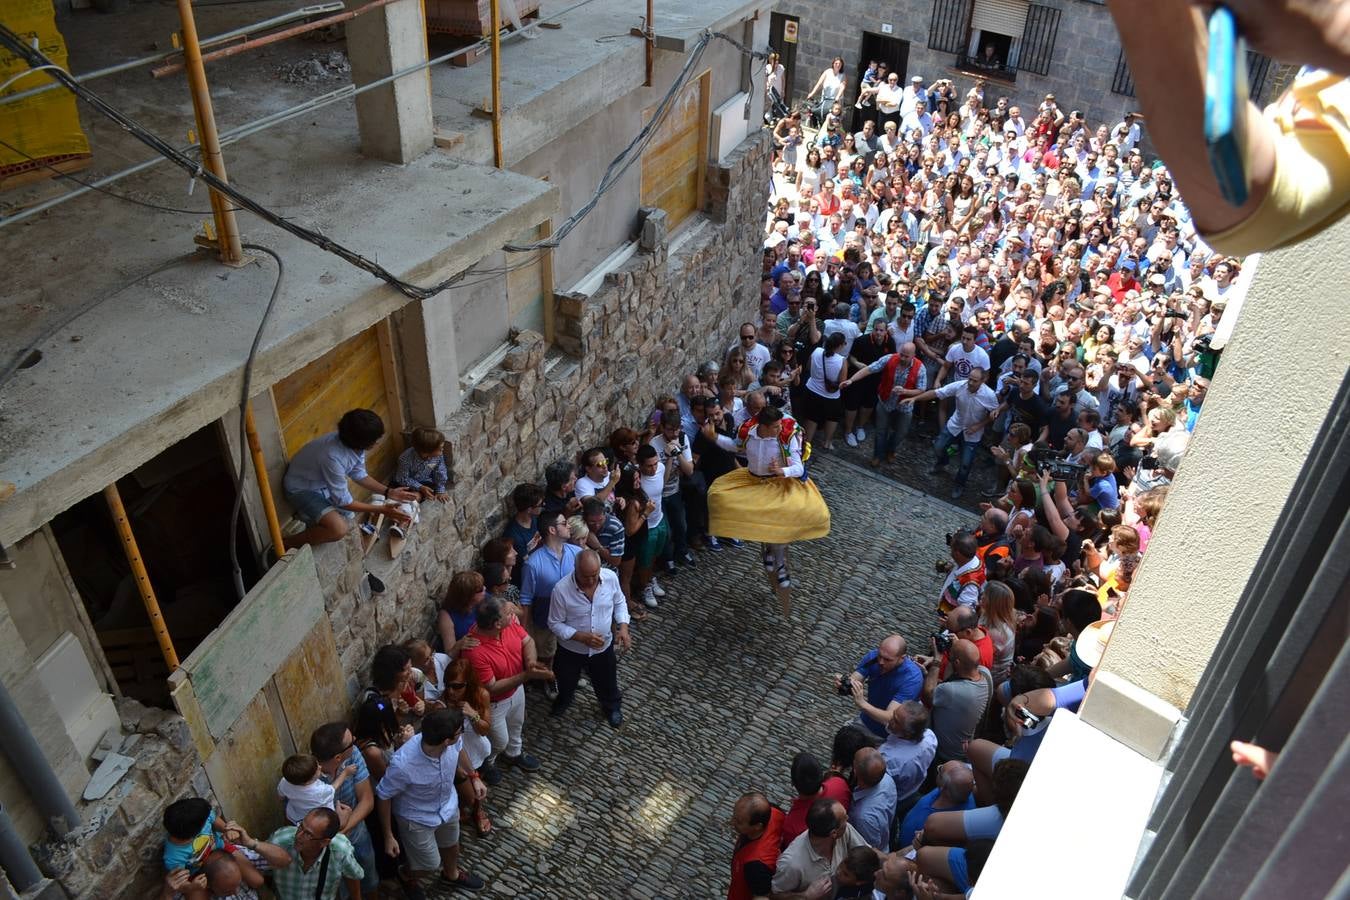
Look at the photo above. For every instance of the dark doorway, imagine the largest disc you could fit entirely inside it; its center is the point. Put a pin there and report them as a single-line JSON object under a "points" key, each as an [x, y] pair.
{"points": [[877, 48], [783, 35], [179, 506]]}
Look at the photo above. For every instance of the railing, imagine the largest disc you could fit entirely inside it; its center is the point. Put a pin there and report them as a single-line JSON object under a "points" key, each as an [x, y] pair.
{"points": [[1258, 70], [974, 64]]}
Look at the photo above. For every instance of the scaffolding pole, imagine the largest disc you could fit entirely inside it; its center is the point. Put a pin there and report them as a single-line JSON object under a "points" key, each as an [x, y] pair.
{"points": [[494, 11], [264, 484], [133, 553]]}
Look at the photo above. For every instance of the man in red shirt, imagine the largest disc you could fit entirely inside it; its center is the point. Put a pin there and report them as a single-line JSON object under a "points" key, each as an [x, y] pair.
{"points": [[963, 623], [1122, 280], [759, 826], [504, 659]]}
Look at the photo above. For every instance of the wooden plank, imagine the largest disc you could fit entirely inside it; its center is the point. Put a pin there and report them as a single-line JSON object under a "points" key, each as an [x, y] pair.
{"points": [[704, 126], [245, 767], [237, 659], [310, 685], [674, 162], [185, 701]]}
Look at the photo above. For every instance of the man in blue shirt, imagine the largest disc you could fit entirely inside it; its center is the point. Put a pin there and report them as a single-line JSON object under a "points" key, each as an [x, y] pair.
{"points": [[955, 791], [885, 678], [550, 562]]}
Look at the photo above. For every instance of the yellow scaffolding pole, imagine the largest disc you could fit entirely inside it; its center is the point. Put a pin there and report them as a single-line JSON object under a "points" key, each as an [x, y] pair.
{"points": [[264, 484], [119, 514]]}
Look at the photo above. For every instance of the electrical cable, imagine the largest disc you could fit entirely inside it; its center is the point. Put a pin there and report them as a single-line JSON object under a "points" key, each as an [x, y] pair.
{"points": [[244, 397], [29, 71], [35, 58], [102, 190]]}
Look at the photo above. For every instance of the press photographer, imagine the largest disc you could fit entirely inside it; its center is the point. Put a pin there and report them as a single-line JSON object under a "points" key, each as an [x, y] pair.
{"points": [[883, 679]]}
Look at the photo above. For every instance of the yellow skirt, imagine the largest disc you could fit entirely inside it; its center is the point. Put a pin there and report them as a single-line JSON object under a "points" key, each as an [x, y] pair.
{"points": [[771, 510]]}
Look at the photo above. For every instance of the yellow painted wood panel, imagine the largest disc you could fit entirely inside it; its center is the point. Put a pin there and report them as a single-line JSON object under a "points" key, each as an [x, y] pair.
{"points": [[525, 286], [672, 164], [352, 375], [309, 683], [245, 767]]}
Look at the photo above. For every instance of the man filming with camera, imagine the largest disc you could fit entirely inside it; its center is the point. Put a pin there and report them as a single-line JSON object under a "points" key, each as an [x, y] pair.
{"points": [[883, 679]]}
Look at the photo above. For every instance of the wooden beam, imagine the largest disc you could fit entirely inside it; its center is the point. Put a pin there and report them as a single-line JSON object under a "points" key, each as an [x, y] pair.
{"points": [[546, 281], [393, 394]]}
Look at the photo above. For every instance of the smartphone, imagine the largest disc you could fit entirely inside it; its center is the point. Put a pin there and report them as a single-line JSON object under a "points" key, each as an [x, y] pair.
{"points": [[1226, 105]]}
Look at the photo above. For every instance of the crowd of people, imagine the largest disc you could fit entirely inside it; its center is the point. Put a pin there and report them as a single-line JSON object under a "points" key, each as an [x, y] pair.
{"points": [[1027, 289], [1023, 290]]}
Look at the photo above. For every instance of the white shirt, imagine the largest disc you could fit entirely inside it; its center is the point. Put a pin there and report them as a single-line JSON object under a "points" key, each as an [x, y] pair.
{"points": [[672, 484], [822, 367], [760, 452], [301, 799], [653, 486], [571, 611], [962, 361], [847, 327], [587, 488], [970, 593], [431, 691], [971, 409], [755, 357]]}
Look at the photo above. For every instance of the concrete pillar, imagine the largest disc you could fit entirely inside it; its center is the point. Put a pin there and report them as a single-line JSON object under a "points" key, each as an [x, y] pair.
{"points": [[426, 350], [1269, 397], [395, 118]]}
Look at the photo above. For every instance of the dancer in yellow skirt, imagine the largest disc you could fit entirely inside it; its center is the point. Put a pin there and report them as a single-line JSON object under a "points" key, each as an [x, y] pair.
{"points": [[771, 501]]}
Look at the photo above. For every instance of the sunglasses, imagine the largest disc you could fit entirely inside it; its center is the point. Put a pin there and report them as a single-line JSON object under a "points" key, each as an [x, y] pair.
{"points": [[456, 685]]}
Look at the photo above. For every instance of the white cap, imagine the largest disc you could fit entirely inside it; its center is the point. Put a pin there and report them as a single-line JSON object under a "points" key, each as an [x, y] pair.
{"points": [[917, 79]]}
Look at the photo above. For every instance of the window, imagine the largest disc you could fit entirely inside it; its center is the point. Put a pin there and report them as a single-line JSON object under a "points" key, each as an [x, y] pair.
{"points": [[674, 161], [997, 37], [1258, 70]]}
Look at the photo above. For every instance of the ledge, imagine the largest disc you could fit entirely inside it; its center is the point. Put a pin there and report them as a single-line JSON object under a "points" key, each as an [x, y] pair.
{"points": [[1102, 790]]}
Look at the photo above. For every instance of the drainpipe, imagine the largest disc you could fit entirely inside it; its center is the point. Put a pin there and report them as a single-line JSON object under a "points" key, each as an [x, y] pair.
{"points": [[18, 865], [29, 763]]}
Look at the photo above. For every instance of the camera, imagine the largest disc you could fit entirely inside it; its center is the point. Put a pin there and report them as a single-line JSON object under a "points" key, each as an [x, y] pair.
{"points": [[845, 687], [1057, 463], [1175, 314], [1028, 718], [942, 641], [1149, 462]]}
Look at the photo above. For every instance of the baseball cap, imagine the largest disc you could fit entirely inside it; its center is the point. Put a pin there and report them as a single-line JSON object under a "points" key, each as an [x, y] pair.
{"points": [[1157, 279], [917, 79]]}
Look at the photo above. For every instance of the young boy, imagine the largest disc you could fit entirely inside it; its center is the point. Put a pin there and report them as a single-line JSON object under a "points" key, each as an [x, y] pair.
{"points": [[316, 480], [421, 468], [193, 833], [304, 791]]}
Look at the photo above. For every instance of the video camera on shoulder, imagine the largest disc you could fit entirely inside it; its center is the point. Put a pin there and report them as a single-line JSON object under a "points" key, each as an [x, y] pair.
{"points": [[1057, 463]]}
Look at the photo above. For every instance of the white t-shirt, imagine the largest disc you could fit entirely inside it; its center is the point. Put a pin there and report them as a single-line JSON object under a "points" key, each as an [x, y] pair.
{"points": [[823, 367], [844, 326], [755, 357], [434, 691], [301, 799], [588, 488], [969, 408], [961, 362], [654, 486], [672, 484]]}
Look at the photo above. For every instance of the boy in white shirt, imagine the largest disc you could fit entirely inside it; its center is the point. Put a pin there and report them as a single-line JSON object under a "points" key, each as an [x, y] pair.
{"points": [[304, 791]]}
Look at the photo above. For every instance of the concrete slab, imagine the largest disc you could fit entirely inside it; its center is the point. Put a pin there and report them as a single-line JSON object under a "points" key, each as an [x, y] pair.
{"points": [[166, 357], [591, 56]]}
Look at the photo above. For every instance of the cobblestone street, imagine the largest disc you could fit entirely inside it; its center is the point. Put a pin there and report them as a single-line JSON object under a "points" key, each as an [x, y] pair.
{"points": [[719, 693]]}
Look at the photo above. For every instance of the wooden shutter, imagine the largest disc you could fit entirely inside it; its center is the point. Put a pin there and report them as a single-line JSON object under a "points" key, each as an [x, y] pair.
{"points": [[1038, 39], [949, 29], [673, 163], [356, 374], [1007, 17]]}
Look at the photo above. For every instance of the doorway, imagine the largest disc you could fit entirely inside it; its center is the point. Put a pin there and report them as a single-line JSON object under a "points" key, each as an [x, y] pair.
{"points": [[783, 32], [876, 48], [179, 506]]}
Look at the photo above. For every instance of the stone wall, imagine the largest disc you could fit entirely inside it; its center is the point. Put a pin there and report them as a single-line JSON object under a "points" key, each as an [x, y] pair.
{"points": [[652, 321], [117, 852]]}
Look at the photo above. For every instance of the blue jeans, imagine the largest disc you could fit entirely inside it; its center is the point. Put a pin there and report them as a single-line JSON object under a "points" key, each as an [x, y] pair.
{"points": [[673, 507], [890, 429], [944, 440]]}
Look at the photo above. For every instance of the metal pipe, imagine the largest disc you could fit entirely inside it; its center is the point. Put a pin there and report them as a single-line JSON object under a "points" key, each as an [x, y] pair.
{"points": [[651, 42], [264, 484], [30, 764], [261, 124], [133, 554], [494, 10], [274, 37], [15, 859], [316, 10], [227, 229]]}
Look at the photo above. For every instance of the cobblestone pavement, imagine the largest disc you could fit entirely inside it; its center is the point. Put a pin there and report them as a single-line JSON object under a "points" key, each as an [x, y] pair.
{"points": [[719, 693]]}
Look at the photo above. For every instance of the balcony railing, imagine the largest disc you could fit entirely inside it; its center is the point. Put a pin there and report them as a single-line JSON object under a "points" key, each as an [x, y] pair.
{"points": [[977, 66]]}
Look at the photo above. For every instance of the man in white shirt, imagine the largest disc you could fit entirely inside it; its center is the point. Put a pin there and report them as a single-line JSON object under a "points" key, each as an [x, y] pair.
{"points": [[914, 92], [588, 616], [918, 118], [976, 404], [841, 323], [1126, 134], [756, 354]]}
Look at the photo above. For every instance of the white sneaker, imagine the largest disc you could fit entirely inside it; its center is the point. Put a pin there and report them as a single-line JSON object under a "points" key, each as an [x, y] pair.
{"points": [[851, 440], [656, 588], [649, 598], [860, 434]]}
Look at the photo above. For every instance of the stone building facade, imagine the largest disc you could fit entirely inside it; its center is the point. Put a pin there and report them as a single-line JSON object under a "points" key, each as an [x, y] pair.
{"points": [[1075, 40]]}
